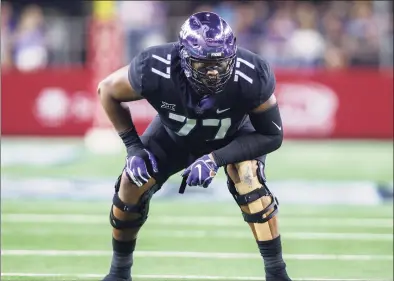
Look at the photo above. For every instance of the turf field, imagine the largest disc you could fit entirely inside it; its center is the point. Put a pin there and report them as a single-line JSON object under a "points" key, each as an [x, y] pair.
{"points": [[194, 242], [71, 240], [305, 160]]}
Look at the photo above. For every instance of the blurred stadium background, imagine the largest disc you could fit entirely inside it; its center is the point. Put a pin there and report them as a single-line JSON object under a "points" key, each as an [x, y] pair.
{"points": [[60, 156]]}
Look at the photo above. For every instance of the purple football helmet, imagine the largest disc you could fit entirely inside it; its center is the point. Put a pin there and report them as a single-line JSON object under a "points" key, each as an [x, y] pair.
{"points": [[207, 50]]}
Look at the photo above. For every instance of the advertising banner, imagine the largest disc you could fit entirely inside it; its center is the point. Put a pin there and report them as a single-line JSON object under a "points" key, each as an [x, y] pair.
{"points": [[46, 103], [338, 104], [314, 104]]}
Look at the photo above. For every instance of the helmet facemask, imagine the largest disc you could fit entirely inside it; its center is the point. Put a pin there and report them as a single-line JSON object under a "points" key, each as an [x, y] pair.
{"points": [[208, 76]]}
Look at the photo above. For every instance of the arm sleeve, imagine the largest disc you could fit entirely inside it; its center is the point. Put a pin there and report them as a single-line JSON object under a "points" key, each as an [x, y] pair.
{"points": [[267, 138]]}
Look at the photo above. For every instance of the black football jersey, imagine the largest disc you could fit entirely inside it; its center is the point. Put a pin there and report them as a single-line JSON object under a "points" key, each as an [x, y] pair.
{"points": [[156, 74]]}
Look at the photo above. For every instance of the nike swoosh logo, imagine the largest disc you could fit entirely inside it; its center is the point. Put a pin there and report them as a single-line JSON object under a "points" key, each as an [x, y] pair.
{"points": [[279, 128], [218, 111]]}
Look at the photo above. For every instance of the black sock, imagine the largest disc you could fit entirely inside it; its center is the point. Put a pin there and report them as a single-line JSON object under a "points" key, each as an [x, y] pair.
{"points": [[122, 258], [271, 251]]}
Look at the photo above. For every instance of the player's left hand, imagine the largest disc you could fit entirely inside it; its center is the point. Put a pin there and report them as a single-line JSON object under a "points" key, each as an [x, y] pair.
{"points": [[201, 172]]}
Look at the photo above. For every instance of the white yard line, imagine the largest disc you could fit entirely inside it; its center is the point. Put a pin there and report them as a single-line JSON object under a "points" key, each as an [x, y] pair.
{"points": [[200, 234], [199, 220], [286, 235], [203, 255], [176, 277]]}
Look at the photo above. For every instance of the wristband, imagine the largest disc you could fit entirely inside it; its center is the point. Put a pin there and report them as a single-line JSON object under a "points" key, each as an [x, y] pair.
{"points": [[130, 138]]}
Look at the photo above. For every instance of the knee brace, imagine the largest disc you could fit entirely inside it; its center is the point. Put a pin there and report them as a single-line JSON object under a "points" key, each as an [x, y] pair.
{"points": [[141, 208], [245, 194]]}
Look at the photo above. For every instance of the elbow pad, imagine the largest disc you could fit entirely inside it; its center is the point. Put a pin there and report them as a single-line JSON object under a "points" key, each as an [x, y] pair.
{"points": [[267, 122]]}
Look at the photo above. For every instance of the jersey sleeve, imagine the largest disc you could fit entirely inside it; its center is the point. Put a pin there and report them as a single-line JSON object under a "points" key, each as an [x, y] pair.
{"points": [[265, 86], [137, 73]]}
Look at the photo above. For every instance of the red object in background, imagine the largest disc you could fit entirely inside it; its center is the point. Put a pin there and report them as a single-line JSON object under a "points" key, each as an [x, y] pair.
{"points": [[353, 103], [314, 104], [105, 56], [54, 102]]}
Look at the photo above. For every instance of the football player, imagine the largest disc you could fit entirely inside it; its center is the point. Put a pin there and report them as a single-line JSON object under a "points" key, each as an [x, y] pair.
{"points": [[216, 108]]}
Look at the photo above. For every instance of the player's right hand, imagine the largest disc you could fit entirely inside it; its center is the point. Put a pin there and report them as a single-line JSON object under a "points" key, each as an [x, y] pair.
{"points": [[140, 167]]}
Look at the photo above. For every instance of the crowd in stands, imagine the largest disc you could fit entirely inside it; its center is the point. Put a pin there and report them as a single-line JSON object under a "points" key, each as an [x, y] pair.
{"points": [[313, 34]]}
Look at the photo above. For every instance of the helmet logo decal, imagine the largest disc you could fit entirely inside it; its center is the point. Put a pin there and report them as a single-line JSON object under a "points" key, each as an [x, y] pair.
{"points": [[204, 30]]}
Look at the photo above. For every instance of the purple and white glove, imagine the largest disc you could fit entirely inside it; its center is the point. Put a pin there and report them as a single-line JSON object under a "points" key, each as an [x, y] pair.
{"points": [[140, 167], [201, 172]]}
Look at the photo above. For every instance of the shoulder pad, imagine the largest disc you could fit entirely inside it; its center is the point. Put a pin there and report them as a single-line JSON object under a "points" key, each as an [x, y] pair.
{"points": [[256, 77], [149, 67]]}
